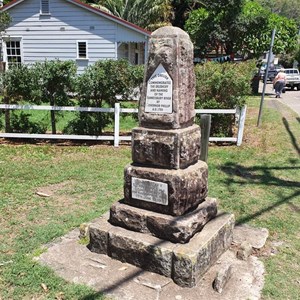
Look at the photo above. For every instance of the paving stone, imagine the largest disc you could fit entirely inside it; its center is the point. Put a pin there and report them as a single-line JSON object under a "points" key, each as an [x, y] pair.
{"points": [[222, 277], [256, 237], [74, 263], [244, 251]]}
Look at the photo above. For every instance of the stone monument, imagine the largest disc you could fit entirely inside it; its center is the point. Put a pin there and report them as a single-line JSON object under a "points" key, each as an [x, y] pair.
{"points": [[166, 223]]}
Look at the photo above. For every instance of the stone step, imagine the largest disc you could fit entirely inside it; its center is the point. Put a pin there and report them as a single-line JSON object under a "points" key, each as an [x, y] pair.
{"points": [[179, 229], [184, 263]]}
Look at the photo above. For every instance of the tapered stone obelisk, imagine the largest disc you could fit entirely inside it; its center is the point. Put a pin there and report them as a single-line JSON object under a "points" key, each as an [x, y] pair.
{"points": [[162, 224]]}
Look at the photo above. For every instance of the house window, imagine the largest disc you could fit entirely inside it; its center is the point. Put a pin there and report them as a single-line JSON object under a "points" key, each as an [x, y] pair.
{"points": [[82, 50], [13, 53], [45, 9]]}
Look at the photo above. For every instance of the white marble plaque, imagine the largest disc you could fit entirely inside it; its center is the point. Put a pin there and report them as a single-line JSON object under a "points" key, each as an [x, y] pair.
{"points": [[148, 190], [159, 92]]}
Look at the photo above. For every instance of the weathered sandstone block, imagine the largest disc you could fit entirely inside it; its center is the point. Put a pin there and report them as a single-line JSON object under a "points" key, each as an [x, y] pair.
{"points": [[179, 229], [174, 149], [99, 235], [169, 101], [184, 263], [192, 260], [172, 192], [141, 250]]}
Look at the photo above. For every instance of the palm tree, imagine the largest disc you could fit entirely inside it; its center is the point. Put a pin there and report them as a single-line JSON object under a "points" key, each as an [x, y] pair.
{"points": [[149, 14]]}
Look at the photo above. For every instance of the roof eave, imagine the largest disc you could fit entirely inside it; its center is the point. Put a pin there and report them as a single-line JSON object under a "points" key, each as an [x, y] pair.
{"points": [[10, 4]]}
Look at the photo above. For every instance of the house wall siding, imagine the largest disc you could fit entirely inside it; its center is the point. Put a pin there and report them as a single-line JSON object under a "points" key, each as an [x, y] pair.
{"points": [[55, 36]]}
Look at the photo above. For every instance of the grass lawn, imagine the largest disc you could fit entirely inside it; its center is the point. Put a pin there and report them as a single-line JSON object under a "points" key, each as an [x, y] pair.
{"points": [[258, 182]]}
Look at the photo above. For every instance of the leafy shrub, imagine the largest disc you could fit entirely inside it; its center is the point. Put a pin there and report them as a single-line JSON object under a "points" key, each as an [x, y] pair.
{"points": [[21, 123], [48, 81], [223, 86], [102, 85], [53, 82], [17, 83]]}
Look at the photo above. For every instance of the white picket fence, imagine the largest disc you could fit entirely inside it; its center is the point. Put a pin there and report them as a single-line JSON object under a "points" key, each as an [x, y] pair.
{"points": [[240, 114]]}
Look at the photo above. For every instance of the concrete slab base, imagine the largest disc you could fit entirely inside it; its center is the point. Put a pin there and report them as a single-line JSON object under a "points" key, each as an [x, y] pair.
{"points": [[121, 281], [184, 263]]}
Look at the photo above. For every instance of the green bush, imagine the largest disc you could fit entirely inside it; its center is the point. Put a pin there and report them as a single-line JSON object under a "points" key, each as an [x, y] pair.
{"points": [[48, 81], [17, 83], [21, 123], [223, 86], [53, 82], [102, 85]]}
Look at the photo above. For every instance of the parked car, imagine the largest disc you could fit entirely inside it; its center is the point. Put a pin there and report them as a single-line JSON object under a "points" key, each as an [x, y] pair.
{"points": [[272, 72], [292, 78]]}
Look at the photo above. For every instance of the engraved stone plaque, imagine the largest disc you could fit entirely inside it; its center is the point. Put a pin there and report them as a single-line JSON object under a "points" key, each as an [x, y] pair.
{"points": [[159, 92], [150, 191]]}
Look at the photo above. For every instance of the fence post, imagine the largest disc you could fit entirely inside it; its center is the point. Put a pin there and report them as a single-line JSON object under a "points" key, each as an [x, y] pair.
{"points": [[205, 131], [242, 119], [117, 125]]}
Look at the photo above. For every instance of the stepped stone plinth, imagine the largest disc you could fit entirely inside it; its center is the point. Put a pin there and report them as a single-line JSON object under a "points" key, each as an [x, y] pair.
{"points": [[166, 223], [184, 263]]}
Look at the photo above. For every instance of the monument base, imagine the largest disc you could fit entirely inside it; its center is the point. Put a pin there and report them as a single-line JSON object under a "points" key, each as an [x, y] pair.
{"points": [[184, 263], [178, 229]]}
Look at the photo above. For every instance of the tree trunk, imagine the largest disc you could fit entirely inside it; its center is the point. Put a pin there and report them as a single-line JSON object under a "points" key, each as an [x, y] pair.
{"points": [[53, 121], [228, 47]]}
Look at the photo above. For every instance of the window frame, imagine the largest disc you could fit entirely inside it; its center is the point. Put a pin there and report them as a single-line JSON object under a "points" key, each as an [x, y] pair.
{"points": [[5, 48]]}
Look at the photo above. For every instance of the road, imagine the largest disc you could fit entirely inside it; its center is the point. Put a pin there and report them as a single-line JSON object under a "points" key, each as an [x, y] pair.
{"points": [[290, 98]]}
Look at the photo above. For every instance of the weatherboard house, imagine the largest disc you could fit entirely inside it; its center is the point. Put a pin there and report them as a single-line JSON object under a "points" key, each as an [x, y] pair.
{"points": [[69, 30]]}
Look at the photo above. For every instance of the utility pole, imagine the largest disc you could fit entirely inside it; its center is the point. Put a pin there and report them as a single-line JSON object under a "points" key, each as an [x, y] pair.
{"points": [[265, 79]]}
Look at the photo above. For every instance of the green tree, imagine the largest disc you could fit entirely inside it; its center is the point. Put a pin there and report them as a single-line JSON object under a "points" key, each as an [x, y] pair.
{"points": [[5, 19], [297, 55], [223, 86], [149, 14], [181, 10], [248, 32], [102, 85], [286, 8], [213, 26], [15, 86], [53, 81]]}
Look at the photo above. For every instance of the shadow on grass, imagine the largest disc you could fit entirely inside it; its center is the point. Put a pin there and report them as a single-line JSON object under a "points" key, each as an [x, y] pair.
{"points": [[292, 136], [262, 175]]}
